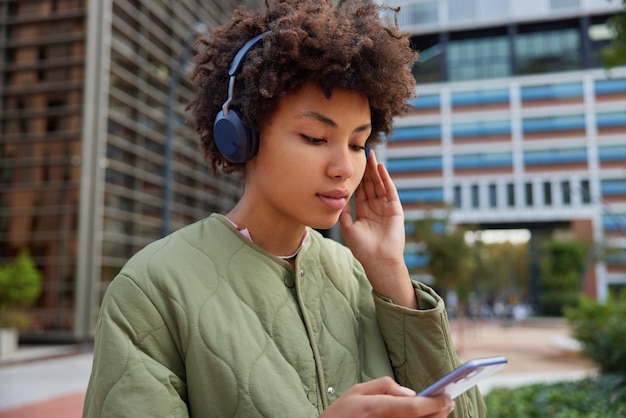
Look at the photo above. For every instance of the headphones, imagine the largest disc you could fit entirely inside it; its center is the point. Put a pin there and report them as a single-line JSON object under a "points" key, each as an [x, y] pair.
{"points": [[233, 138], [235, 141]]}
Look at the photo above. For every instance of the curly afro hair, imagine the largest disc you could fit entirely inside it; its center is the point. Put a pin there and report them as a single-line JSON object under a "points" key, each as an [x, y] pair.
{"points": [[348, 44]]}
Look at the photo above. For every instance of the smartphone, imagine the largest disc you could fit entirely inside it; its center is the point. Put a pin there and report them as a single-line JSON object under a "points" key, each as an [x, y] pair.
{"points": [[465, 377]]}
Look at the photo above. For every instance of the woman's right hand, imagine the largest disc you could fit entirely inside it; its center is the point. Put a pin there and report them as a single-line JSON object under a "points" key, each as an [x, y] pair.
{"points": [[383, 397]]}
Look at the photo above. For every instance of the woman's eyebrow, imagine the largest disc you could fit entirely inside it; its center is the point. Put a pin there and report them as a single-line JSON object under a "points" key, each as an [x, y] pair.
{"points": [[317, 116], [328, 121]]}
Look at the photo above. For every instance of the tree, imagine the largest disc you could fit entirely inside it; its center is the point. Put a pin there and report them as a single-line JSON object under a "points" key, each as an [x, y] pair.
{"points": [[450, 260], [615, 53], [560, 279]]}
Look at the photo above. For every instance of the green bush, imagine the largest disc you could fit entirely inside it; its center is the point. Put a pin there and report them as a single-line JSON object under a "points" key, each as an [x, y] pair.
{"points": [[601, 327], [20, 286], [561, 269], [598, 397], [553, 303]]}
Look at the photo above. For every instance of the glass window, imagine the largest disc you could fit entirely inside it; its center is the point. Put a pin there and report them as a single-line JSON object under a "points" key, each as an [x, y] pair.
{"points": [[428, 68], [547, 193], [548, 51], [414, 164], [566, 194], [613, 187], [416, 133], [553, 123], [493, 196], [478, 58], [529, 194], [599, 36], [430, 195], [510, 195], [555, 156], [612, 153], [475, 196], [457, 197], [585, 192], [496, 159]]}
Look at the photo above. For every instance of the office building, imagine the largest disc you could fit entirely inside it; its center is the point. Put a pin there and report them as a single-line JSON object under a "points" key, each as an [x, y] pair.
{"points": [[517, 124], [97, 154]]}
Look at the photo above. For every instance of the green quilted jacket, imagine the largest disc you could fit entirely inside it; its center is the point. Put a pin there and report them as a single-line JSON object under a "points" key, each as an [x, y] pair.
{"points": [[205, 323]]}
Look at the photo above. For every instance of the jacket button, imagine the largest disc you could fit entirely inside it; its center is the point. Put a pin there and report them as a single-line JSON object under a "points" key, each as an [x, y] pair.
{"points": [[302, 273], [289, 282], [330, 391]]}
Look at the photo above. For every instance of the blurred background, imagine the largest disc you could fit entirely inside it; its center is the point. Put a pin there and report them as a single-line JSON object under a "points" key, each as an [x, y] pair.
{"points": [[511, 167]]}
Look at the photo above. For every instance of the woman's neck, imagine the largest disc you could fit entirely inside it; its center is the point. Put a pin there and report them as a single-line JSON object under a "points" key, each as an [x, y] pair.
{"points": [[282, 239]]}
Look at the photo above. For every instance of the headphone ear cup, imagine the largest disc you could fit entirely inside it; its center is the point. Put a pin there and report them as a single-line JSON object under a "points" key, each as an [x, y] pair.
{"points": [[233, 139], [367, 152]]}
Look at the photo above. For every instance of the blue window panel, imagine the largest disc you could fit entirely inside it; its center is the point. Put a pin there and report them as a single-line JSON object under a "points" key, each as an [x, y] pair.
{"points": [[612, 153], [414, 164], [555, 156], [480, 97], [611, 86], [426, 102], [614, 222], [481, 128], [415, 132], [558, 91], [421, 195], [555, 123], [501, 159], [613, 187], [610, 119], [415, 260]]}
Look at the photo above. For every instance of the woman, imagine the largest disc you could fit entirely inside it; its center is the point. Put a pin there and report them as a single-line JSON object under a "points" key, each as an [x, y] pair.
{"points": [[254, 313]]}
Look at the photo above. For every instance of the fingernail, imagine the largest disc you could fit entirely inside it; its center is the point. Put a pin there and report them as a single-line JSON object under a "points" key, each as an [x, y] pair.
{"points": [[452, 405]]}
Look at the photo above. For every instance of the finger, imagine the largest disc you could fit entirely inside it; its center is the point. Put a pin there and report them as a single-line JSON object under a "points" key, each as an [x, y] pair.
{"points": [[345, 217], [384, 385], [390, 189], [411, 406], [370, 177], [378, 189]]}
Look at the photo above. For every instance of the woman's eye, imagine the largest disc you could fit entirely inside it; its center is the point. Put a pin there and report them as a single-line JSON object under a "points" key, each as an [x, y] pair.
{"points": [[357, 147], [312, 139]]}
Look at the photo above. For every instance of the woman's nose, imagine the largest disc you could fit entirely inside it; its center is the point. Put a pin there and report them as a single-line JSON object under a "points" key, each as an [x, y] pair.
{"points": [[341, 165]]}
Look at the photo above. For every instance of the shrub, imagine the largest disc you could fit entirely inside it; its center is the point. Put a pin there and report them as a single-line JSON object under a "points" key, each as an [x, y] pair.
{"points": [[601, 327], [560, 275], [20, 286], [598, 397]]}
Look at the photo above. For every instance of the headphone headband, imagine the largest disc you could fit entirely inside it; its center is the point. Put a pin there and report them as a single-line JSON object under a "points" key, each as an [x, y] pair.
{"points": [[233, 139]]}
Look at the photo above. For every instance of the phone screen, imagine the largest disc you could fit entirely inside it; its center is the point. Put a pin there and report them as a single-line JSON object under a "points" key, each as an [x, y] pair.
{"points": [[465, 377]]}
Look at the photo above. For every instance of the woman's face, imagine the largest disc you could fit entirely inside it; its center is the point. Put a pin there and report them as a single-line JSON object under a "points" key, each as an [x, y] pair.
{"points": [[311, 156]]}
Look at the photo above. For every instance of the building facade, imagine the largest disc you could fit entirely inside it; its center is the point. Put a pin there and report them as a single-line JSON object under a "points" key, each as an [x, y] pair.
{"points": [[97, 154], [517, 123]]}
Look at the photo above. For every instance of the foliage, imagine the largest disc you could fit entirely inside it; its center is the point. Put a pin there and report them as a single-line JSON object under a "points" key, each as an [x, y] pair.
{"points": [[594, 397], [560, 276], [615, 53], [449, 256], [502, 269], [20, 286], [601, 327]]}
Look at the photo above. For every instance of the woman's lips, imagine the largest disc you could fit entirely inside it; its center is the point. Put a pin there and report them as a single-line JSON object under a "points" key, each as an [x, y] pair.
{"points": [[334, 200]]}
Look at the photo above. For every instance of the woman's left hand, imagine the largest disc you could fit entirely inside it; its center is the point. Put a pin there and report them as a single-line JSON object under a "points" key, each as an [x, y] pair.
{"points": [[376, 235]]}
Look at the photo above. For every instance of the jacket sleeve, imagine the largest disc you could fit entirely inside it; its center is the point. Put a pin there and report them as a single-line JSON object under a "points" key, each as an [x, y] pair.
{"points": [[420, 346], [137, 368]]}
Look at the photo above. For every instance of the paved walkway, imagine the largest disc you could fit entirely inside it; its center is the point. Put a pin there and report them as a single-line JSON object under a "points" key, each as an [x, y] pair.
{"points": [[50, 381]]}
